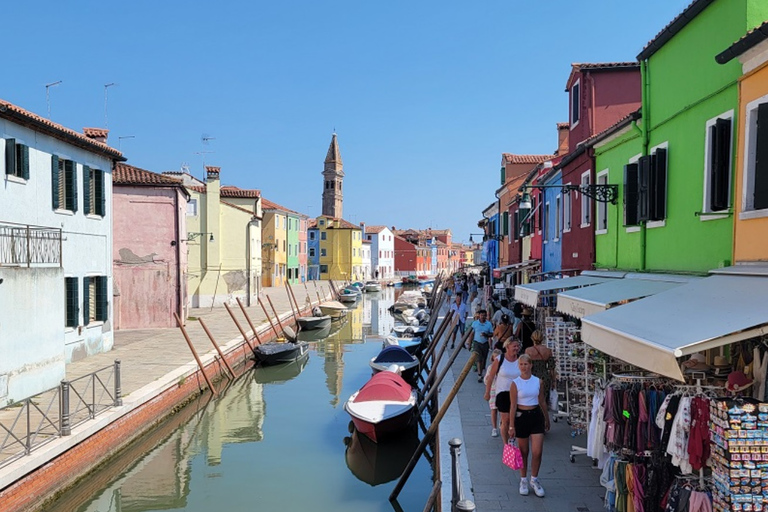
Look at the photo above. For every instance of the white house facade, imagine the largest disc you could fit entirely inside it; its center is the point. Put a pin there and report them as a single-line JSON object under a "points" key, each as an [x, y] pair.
{"points": [[382, 251], [55, 249], [366, 253]]}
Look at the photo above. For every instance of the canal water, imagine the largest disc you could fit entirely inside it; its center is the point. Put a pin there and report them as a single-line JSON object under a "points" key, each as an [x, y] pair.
{"points": [[277, 439]]}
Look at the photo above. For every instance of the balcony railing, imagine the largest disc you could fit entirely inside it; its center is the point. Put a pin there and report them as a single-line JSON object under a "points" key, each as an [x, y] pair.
{"points": [[26, 246]]}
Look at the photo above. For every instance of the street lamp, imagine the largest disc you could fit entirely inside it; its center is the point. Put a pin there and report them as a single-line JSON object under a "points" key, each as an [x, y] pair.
{"points": [[602, 193], [193, 235], [485, 237]]}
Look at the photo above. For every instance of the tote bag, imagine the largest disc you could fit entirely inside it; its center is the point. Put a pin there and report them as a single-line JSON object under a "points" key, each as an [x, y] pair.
{"points": [[511, 455]]}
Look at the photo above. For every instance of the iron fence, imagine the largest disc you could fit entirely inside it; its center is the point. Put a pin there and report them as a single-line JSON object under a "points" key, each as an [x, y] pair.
{"points": [[26, 245], [30, 423]]}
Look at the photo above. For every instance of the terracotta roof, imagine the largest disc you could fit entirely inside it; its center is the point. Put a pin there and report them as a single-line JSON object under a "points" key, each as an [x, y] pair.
{"points": [[343, 224], [236, 207], [266, 204], [674, 26], [311, 223], [125, 174], [525, 159], [560, 126], [96, 132], [33, 121], [366, 241], [374, 229], [752, 38], [229, 191]]}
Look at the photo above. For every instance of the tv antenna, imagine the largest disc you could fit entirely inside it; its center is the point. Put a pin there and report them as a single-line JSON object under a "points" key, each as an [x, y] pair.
{"points": [[202, 157], [48, 95], [204, 138], [120, 140], [106, 87]]}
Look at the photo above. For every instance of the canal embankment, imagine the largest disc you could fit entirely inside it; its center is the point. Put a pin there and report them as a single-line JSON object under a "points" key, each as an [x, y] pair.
{"points": [[158, 374]]}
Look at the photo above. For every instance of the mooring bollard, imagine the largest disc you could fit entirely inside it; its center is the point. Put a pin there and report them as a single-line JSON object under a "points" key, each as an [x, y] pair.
{"points": [[66, 428], [118, 387], [458, 503]]}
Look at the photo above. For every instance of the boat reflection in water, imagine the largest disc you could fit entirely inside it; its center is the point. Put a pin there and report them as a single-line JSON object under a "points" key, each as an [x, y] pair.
{"points": [[281, 373], [377, 464]]}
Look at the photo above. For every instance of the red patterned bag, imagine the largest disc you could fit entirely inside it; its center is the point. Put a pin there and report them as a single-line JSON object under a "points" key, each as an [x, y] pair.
{"points": [[511, 455]]}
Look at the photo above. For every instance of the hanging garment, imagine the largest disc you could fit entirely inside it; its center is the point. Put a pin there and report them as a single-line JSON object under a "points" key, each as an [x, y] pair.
{"points": [[667, 418], [596, 432], [607, 481], [641, 434], [638, 495], [678, 437], [620, 477], [698, 439], [700, 502], [759, 369], [630, 476], [673, 498]]}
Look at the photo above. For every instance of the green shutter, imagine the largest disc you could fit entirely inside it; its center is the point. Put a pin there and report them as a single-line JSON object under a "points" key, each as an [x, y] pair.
{"points": [[25, 162], [505, 224], [10, 156], [72, 166], [71, 298], [87, 206], [101, 196], [503, 174], [86, 300], [102, 298], [55, 181]]}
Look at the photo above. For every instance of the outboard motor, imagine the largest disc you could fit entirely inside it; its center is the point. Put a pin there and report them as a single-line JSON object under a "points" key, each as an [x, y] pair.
{"points": [[316, 311]]}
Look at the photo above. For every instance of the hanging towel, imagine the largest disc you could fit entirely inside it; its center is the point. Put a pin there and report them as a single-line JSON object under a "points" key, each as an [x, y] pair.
{"points": [[759, 368]]}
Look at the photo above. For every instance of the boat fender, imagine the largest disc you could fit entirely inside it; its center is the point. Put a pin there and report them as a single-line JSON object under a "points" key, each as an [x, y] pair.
{"points": [[316, 311], [290, 334]]}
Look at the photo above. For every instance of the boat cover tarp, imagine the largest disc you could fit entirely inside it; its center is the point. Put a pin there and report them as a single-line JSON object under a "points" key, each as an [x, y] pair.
{"points": [[384, 386], [394, 354], [273, 347]]}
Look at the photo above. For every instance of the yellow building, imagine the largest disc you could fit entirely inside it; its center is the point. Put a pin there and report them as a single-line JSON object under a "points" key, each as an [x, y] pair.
{"points": [[341, 246], [223, 242], [750, 200]]}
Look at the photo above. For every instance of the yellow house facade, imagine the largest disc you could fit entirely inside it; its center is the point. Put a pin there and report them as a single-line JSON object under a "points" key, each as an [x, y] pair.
{"points": [[341, 249], [750, 240], [274, 234], [223, 243]]}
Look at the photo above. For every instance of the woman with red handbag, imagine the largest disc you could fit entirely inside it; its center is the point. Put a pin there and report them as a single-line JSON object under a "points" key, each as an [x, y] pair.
{"points": [[529, 419]]}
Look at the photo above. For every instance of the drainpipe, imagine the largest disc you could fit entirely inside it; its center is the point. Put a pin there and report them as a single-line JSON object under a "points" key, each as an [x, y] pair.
{"points": [[501, 216], [179, 294], [248, 262], [646, 123]]}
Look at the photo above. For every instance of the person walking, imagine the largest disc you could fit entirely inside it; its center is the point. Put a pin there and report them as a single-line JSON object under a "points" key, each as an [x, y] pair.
{"points": [[528, 407], [543, 362], [483, 332], [525, 328], [503, 371], [503, 310], [503, 329], [459, 308]]}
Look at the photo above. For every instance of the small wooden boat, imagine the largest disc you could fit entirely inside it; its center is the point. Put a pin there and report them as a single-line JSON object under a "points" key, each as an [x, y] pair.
{"points": [[346, 295], [275, 352], [409, 330], [314, 322], [383, 407], [412, 345], [396, 355], [333, 308], [372, 286]]}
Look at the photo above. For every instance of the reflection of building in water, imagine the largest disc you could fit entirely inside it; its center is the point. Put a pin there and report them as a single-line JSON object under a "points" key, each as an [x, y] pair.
{"points": [[382, 320], [332, 350], [367, 308]]}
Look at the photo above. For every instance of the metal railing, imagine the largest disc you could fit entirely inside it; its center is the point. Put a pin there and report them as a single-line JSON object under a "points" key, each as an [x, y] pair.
{"points": [[26, 245], [35, 421]]}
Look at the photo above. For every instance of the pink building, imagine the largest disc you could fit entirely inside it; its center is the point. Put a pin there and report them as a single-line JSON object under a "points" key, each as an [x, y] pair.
{"points": [[149, 260], [303, 249]]}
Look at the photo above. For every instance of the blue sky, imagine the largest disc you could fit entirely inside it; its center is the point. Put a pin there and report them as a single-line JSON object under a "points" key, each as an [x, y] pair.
{"points": [[424, 95]]}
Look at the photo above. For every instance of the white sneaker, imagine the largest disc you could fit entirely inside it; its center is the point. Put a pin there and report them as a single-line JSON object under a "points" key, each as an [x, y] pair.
{"points": [[537, 488], [495, 432], [524, 487]]}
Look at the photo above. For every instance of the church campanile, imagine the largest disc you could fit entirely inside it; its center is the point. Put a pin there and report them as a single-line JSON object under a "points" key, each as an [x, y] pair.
{"points": [[333, 175]]}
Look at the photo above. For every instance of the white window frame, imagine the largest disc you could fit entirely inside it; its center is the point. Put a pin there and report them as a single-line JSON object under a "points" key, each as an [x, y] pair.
{"points": [[192, 206], [570, 104], [567, 212], [750, 155], [652, 224], [633, 160], [706, 210], [601, 206], [586, 201]]}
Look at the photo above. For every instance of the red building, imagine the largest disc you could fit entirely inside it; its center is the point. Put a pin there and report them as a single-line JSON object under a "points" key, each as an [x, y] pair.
{"points": [[405, 255], [599, 96]]}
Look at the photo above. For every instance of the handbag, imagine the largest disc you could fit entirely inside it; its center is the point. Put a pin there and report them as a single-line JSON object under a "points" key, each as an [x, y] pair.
{"points": [[511, 455]]}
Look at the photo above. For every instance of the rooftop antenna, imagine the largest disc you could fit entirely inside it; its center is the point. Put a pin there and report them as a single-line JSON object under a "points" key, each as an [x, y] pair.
{"points": [[106, 87], [204, 138], [48, 95], [202, 157], [120, 140]]}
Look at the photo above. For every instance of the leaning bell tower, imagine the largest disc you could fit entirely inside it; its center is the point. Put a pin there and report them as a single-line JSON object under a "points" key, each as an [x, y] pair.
{"points": [[333, 175]]}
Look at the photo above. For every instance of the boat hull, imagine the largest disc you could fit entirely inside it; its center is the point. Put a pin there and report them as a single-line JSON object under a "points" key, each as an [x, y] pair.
{"points": [[278, 353], [314, 323], [407, 371], [333, 309], [386, 429]]}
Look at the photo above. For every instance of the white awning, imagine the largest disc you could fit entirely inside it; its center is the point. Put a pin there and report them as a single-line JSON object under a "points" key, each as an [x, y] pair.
{"points": [[594, 299], [529, 293], [653, 332]]}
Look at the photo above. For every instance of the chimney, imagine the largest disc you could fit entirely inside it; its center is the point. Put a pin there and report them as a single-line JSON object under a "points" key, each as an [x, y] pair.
{"points": [[97, 134], [562, 138], [212, 172], [362, 226]]}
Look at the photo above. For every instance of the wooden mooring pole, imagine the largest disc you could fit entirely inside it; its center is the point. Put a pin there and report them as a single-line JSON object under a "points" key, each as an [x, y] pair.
{"points": [[216, 346], [276, 315], [194, 353], [248, 319], [239, 327], [433, 388], [268, 319]]}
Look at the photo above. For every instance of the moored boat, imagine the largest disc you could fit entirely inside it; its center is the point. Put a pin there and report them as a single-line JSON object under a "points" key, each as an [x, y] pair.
{"points": [[379, 463], [277, 353], [412, 345], [314, 322], [333, 308], [396, 355], [383, 407], [372, 286], [347, 295], [409, 330]]}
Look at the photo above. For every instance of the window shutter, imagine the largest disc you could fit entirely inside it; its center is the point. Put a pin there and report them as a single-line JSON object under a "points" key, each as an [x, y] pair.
{"points": [[658, 209], [55, 179], [503, 174], [71, 298], [643, 188], [10, 156], [761, 159], [102, 298], [505, 223], [25, 162], [720, 136], [87, 199], [516, 227], [86, 300], [630, 195]]}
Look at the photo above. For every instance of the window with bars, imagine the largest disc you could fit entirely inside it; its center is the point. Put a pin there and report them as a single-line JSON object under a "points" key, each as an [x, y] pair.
{"points": [[94, 200], [16, 159], [64, 184], [95, 302]]}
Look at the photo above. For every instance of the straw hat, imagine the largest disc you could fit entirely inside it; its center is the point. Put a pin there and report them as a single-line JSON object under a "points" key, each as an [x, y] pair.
{"points": [[721, 367], [696, 363], [737, 381]]}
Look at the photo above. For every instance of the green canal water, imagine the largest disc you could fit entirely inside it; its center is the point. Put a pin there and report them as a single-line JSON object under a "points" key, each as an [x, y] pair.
{"points": [[276, 439]]}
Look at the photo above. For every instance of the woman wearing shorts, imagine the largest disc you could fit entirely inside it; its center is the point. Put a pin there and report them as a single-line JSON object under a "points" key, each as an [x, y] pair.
{"points": [[528, 407], [505, 370]]}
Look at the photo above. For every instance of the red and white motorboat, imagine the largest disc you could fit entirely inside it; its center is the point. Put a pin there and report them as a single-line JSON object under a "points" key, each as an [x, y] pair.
{"points": [[383, 407]]}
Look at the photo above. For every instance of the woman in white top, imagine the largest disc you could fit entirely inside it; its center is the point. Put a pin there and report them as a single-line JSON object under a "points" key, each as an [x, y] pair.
{"points": [[503, 371], [528, 407]]}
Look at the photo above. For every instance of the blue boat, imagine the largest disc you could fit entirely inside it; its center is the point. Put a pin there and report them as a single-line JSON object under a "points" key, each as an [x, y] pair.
{"points": [[397, 355]]}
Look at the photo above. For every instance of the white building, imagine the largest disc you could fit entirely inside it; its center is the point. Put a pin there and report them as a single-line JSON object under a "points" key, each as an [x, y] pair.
{"points": [[55, 249], [382, 251], [366, 252]]}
